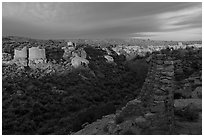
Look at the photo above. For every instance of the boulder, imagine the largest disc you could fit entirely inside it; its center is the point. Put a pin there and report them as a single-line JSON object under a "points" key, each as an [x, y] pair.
{"points": [[169, 68], [159, 107], [168, 62], [79, 62], [109, 58], [142, 122], [185, 93], [182, 103], [167, 73], [166, 81], [149, 115]]}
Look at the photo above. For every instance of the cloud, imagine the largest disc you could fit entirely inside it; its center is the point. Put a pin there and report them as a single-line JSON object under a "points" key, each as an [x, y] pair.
{"points": [[183, 35], [101, 20], [31, 11], [13, 9], [182, 18], [44, 11]]}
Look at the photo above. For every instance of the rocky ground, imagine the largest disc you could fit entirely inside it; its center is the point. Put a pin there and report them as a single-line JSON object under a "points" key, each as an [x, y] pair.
{"points": [[182, 127], [187, 108]]}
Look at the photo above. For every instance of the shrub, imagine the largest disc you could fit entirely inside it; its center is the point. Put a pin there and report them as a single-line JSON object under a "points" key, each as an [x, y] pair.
{"points": [[119, 119], [128, 132], [105, 128], [139, 66], [188, 113]]}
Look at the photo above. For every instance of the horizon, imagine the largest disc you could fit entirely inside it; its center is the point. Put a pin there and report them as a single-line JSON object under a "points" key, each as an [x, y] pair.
{"points": [[101, 39], [163, 21]]}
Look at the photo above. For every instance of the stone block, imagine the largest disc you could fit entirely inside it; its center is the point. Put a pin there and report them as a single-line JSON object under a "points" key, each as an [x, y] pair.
{"points": [[157, 108], [160, 62], [168, 73], [169, 68], [166, 77], [182, 103], [168, 62], [149, 115], [159, 92], [134, 102], [142, 122], [160, 67], [160, 98], [160, 56], [166, 81]]}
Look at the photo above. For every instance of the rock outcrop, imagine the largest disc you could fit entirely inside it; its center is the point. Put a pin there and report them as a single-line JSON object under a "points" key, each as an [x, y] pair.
{"points": [[78, 62], [109, 58]]}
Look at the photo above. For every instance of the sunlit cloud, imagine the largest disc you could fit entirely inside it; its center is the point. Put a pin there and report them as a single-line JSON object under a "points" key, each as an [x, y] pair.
{"points": [[183, 35], [173, 20]]}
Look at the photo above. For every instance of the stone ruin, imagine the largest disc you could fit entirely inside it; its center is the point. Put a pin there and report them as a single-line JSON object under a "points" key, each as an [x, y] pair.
{"points": [[157, 95], [68, 49], [29, 57], [21, 56], [152, 112], [77, 57], [36, 56]]}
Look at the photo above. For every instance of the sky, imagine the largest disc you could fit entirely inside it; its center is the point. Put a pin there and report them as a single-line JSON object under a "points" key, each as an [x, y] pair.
{"points": [[177, 21]]}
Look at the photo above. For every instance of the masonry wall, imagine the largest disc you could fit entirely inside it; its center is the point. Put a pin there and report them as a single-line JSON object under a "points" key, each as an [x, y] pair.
{"points": [[20, 57], [36, 53], [157, 93], [152, 112], [34, 56], [20, 54]]}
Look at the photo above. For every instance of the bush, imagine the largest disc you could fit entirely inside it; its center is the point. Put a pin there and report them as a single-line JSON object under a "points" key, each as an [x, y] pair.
{"points": [[140, 67], [119, 119], [128, 132], [105, 128], [188, 113]]}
